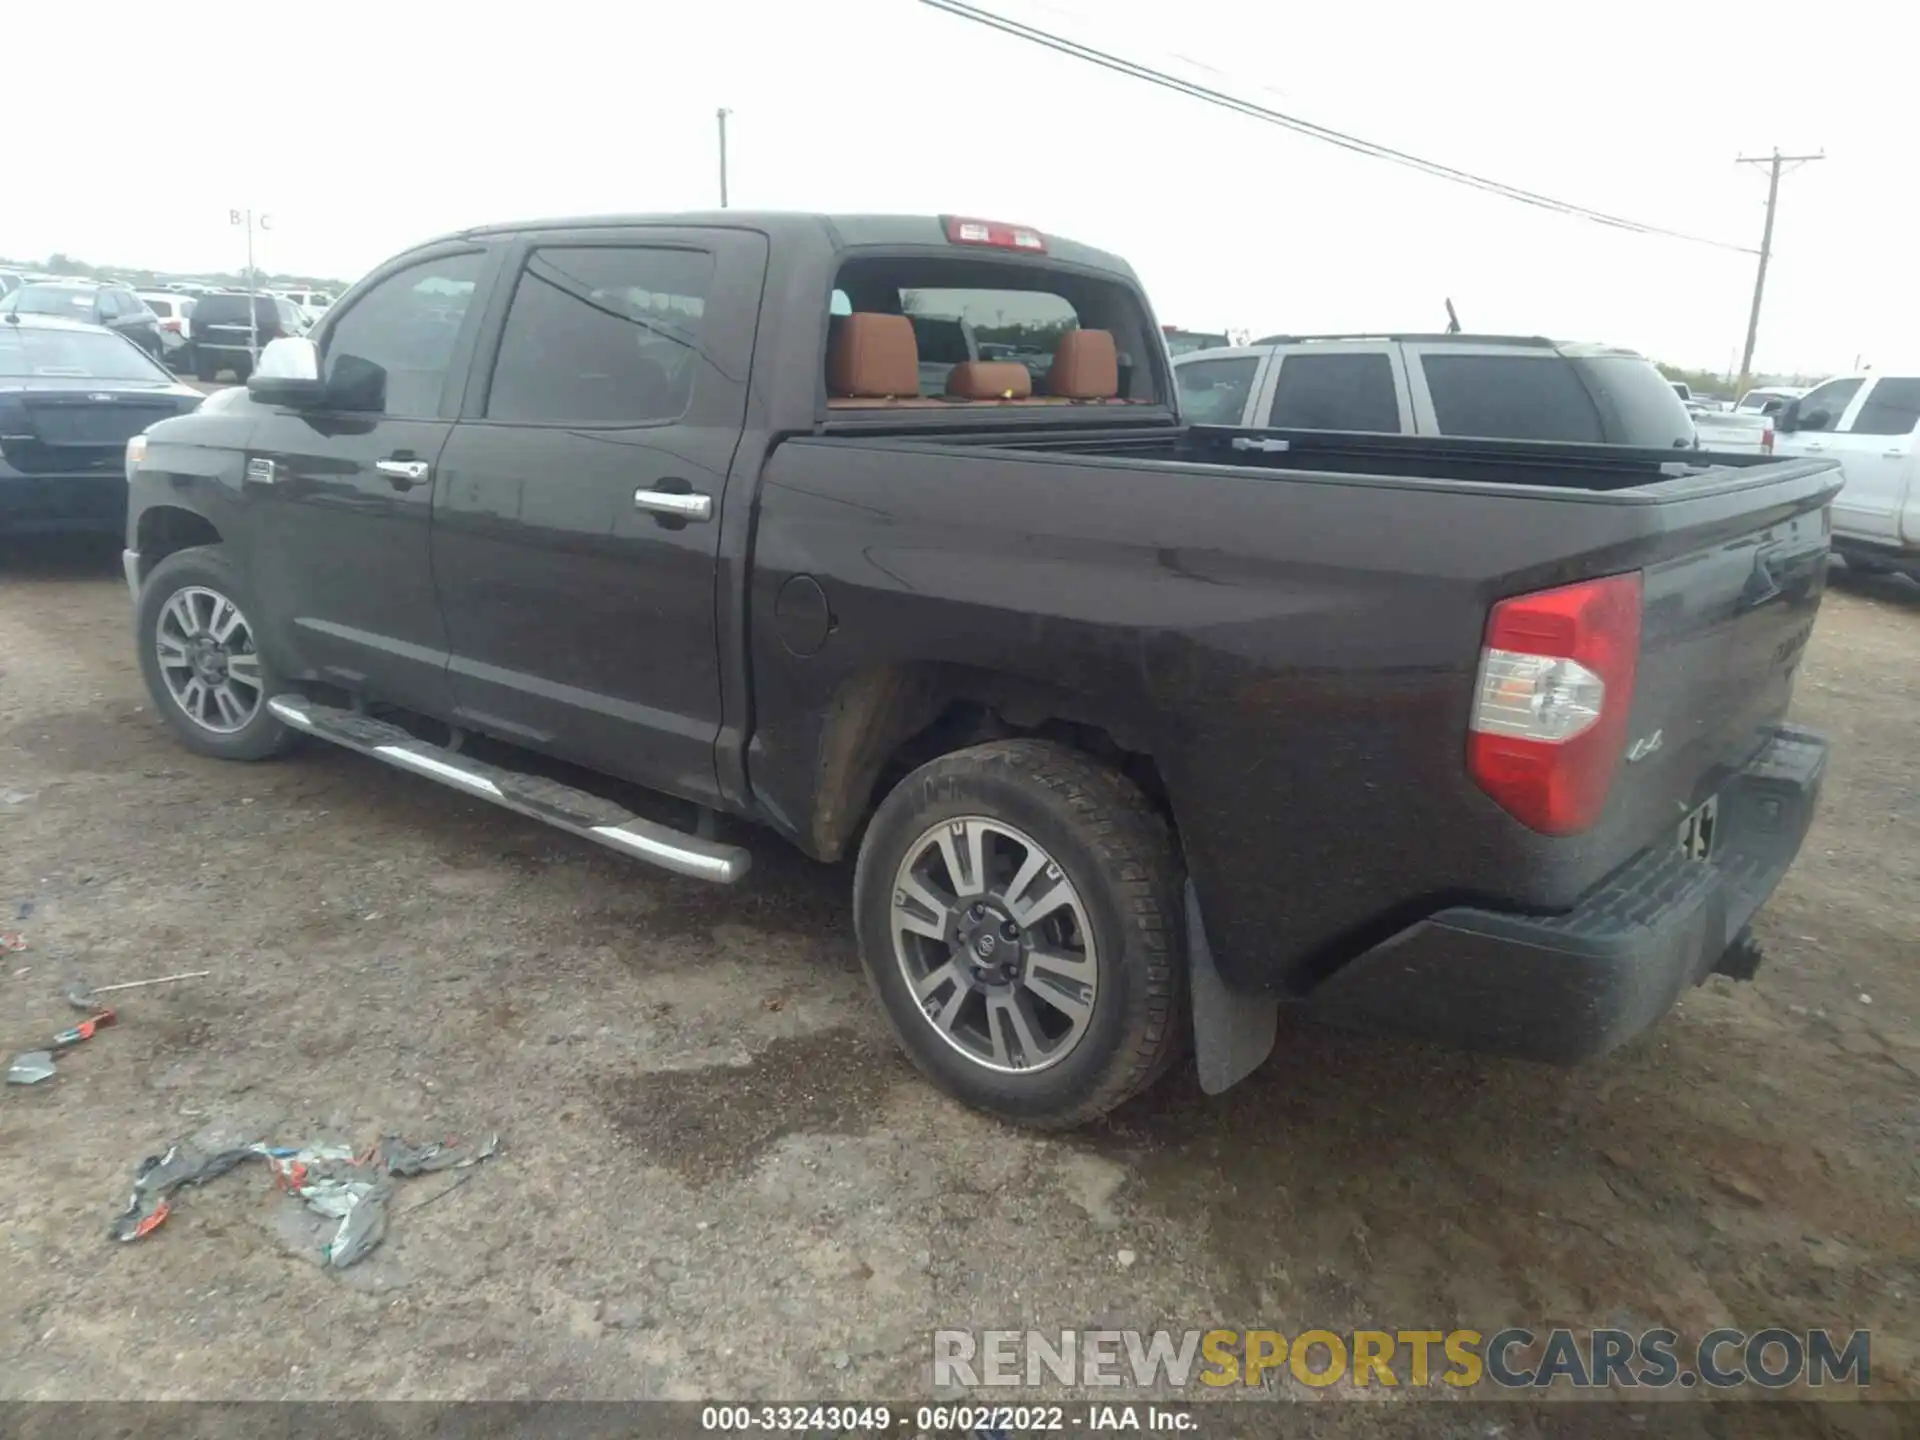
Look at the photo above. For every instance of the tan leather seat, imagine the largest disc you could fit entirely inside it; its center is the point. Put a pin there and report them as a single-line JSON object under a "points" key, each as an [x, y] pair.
{"points": [[873, 357], [1086, 366], [990, 380]]}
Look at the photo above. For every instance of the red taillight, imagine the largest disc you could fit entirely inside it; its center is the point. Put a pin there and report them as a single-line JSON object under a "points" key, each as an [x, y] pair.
{"points": [[1766, 441], [173, 325], [1551, 701], [962, 231]]}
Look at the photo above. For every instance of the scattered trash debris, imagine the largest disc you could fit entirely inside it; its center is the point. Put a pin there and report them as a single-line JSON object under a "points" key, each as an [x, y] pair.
{"points": [[24, 910], [1866, 999], [160, 1175], [12, 941], [81, 996], [37, 1065], [30, 1068], [1126, 1259], [331, 1179], [99, 1020]]}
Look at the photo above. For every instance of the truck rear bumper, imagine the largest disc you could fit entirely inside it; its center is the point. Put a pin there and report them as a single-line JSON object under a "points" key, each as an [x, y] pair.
{"points": [[1564, 987]]}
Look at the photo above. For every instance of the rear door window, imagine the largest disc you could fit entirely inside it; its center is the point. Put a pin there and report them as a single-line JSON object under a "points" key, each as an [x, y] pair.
{"points": [[1214, 392], [1336, 392], [602, 335], [1512, 397], [1891, 407]]}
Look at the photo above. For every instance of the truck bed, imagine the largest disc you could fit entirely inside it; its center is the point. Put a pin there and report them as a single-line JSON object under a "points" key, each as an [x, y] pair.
{"points": [[1293, 638]]}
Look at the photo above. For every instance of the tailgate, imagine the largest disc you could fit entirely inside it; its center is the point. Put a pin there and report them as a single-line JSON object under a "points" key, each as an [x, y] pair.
{"points": [[1724, 626]]}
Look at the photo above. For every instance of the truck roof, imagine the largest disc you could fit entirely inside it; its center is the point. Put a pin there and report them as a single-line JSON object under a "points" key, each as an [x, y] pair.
{"points": [[1585, 349], [843, 231]]}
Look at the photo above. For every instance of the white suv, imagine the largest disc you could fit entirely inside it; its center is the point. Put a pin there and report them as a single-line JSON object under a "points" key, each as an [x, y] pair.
{"points": [[1488, 386], [1870, 423]]}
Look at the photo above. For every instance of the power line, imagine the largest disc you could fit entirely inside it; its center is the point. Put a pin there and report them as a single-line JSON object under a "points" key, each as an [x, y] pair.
{"points": [[1773, 163], [1314, 131]]}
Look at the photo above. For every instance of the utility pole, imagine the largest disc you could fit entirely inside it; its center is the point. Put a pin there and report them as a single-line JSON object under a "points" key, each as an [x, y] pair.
{"points": [[722, 114], [1773, 163], [264, 222]]}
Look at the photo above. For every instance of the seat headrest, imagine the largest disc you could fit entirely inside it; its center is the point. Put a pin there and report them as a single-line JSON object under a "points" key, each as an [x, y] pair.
{"points": [[990, 380], [873, 356], [1086, 366]]}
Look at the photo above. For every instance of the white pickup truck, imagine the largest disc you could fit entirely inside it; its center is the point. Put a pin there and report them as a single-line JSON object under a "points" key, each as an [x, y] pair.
{"points": [[1870, 423], [1734, 431]]}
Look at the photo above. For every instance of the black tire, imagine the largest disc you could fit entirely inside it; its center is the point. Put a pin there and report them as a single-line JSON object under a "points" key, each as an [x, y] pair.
{"points": [[205, 567], [241, 370], [206, 369], [1117, 852]]}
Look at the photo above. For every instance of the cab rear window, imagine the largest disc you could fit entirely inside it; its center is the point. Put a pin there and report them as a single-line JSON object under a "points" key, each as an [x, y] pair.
{"points": [[954, 332]]}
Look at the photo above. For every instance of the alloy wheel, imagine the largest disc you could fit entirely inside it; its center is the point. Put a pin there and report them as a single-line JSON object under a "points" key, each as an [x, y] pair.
{"points": [[208, 660], [995, 945]]}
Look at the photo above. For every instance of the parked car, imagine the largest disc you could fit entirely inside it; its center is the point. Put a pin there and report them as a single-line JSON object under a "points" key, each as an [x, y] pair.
{"points": [[1869, 423], [70, 396], [174, 312], [113, 306], [1491, 386], [1138, 731], [223, 340], [313, 301]]}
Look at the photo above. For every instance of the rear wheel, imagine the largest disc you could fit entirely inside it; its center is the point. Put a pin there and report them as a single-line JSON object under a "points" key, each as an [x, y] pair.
{"points": [[205, 368], [1018, 910], [201, 662]]}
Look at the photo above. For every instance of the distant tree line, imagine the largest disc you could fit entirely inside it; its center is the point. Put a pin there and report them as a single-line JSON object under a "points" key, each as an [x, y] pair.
{"points": [[1706, 384], [59, 263]]}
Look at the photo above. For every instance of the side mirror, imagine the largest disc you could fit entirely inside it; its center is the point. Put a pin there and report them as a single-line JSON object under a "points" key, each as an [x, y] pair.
{"points": [[1813, 420], [288, 373], [1786, 418]]}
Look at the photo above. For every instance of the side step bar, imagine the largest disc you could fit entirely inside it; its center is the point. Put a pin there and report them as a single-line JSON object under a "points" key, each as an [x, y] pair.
{"points": [[562, 806]]}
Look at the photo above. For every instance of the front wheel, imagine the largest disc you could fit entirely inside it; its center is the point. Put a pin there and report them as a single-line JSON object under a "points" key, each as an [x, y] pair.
{"points": [[1018, 909], [201, 661]]}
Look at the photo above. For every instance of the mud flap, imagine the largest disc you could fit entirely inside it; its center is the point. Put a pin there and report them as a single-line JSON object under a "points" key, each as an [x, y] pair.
{"points": [[1232, 1032]]}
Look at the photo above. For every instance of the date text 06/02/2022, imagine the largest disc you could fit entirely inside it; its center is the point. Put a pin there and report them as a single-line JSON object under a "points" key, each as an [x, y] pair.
{"points": [[943, 1419]]}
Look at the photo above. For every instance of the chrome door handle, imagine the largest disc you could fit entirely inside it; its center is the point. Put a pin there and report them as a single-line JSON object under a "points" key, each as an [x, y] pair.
{"points": [[411, 471], [678, 507]]}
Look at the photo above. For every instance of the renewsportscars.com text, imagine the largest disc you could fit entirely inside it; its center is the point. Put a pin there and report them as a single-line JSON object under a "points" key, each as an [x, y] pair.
{"points": [[1514, 1359]]}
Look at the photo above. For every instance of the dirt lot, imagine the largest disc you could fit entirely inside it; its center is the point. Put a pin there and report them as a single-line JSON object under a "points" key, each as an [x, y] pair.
{"points": [[719, 1179]]}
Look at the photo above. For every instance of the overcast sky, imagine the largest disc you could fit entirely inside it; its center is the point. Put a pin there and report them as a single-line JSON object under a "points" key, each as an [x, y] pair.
{"points": [[374, 126]]}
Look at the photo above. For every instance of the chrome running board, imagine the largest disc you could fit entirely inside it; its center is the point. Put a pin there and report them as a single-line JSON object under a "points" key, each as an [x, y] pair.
{"points": [[579, 812]]}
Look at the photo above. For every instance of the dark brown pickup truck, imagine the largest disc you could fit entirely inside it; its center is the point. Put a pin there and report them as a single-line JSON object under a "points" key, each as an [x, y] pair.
{"points": [[1139, 731]]}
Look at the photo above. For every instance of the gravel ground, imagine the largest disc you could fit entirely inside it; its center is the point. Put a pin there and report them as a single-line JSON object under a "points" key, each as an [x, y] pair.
{"points": [[718, 1178]]}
